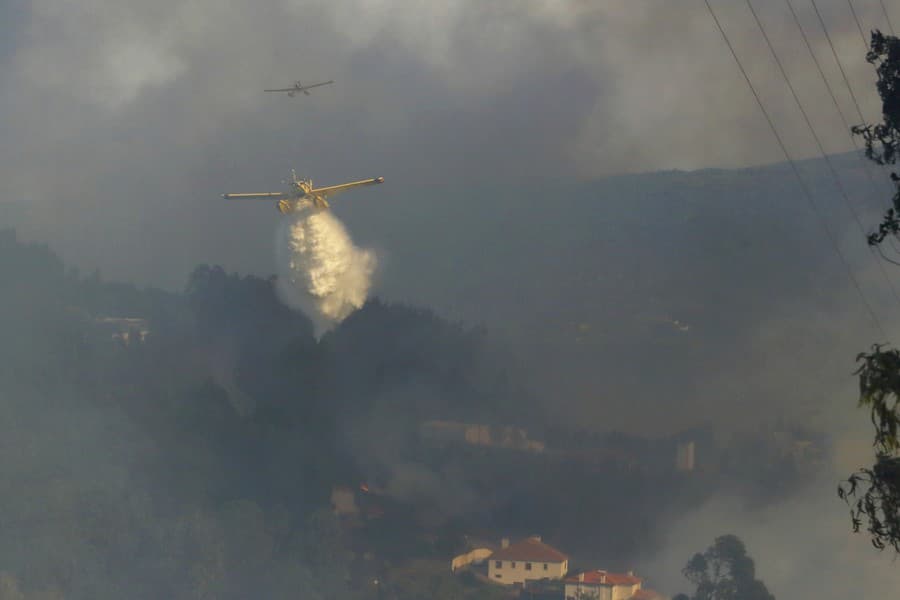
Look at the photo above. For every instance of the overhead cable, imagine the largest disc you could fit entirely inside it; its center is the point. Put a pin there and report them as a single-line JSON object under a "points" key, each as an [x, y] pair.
{"points": [[824, 224]]}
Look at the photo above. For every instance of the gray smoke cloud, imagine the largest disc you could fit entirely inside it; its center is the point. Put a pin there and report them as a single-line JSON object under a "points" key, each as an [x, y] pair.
{"points": [[796, 363], [802, 547], [168, 98]]}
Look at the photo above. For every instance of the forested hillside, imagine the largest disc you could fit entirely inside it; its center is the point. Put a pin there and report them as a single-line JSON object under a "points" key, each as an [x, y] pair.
{"points": [[199, 462]]}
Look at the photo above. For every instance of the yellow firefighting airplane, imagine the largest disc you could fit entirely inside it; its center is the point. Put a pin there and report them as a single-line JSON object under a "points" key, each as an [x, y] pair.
{"points": [[299, 87], [302, 194]]}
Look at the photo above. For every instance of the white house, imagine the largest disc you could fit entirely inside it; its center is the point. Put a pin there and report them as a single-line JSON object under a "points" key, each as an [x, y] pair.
{"points": [[527, 560], [602, 585]]}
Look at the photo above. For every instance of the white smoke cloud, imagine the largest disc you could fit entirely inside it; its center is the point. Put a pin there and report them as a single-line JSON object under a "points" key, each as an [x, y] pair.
{"points": [[320, 270], [803, 548]]}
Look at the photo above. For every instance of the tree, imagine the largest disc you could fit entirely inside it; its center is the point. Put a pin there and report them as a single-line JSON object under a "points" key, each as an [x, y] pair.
{"points": [[883, 139], [725, 572], [874, 493]]}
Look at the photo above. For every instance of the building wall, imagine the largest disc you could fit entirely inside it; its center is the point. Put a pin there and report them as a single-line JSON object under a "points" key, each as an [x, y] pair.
{"points": [[511, 572], [475, 556], [684, 456], [478, 435], [624, 592], [599, 592], [123, 329], [475, 434]]}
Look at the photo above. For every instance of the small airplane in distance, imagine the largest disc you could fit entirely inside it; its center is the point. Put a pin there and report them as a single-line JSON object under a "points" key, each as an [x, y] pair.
{"points": [[299, 87], [679, 325], [303, 194]]}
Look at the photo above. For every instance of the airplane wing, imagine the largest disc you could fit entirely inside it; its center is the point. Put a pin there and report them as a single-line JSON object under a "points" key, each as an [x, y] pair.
{"points": [[331, 190], [300, 88], [266, 195], [309, 87]]}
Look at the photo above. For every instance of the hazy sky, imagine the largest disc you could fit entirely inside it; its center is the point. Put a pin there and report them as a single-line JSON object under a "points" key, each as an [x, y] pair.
{"points": [[124, 120]]}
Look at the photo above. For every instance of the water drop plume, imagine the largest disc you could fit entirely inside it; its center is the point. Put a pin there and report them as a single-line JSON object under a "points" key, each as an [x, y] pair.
{"points": [[320, 270]]}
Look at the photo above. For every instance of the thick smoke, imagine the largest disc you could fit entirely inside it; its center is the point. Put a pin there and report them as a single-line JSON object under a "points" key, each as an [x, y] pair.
{"points": [[803, 547], [320, 270]]}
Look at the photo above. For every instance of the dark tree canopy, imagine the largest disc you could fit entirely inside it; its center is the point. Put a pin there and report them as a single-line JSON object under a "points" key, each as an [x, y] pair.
{"points": [[198, 461], [874, 493], [883, 139], [725, 572]]}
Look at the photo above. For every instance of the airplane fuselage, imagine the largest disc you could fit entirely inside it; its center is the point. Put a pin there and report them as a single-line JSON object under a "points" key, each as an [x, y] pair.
{"points": [[303, 199]]}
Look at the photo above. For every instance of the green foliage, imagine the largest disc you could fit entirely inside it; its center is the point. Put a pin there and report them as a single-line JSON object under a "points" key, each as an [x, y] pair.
{"points": [[725, 572], [883, 139], [879, 389], [879, 504], [874, 493]]}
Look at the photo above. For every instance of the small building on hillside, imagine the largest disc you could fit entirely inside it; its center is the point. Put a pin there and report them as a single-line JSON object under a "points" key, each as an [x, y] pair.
{"points": [[343, 502], [684, 456], [125, 330], [527, 560], [602, 585], [475, 434]]}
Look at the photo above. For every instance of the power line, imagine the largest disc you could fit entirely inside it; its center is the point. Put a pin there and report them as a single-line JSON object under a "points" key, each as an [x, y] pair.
{"points": [[819, 145], [840, 65], [837, 59], [866, 166], [893, 243], [858, 26], [886, 258], [831, 237], [887, 18]]}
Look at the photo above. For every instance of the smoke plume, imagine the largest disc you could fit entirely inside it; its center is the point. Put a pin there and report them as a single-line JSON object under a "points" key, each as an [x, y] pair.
{"points": [[320, 270]]}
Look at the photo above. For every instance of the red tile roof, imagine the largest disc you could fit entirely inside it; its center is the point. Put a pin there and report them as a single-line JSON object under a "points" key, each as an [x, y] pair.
{"points": [[531, 550], [604, 578]]}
